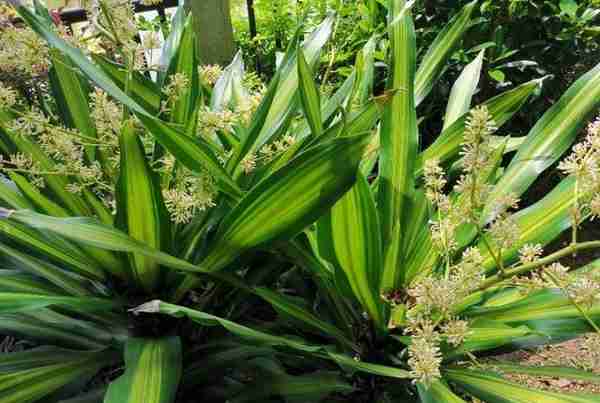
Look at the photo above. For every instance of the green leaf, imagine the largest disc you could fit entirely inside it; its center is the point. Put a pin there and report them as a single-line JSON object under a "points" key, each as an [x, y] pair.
{"points": [[439, 52], [547, 370], [502, 107], [437, 392], [153, 370], [373, 369], [358, 247], [69, 283], [88, 231], [249, 140], [140, 208], [206, 319], [53, 248], [74, 92], [33, 384], [262, 338], [18, 302], [297, 194], [552, 135], [569, 7], [309, 94], [289, 308], [12, 197], [172, 42], [306, 388], [541, 222], [399, 134], [491, 388], [48, 327], [548, 312], [144, 91], [33, 194], [185, 62], [463, 90], [17, 281], [195, 154], [486, 335], [284, 104], [228, 91]]}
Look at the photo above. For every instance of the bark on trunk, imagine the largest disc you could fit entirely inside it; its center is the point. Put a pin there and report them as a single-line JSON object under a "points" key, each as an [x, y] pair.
{"points": [[212, 21]]}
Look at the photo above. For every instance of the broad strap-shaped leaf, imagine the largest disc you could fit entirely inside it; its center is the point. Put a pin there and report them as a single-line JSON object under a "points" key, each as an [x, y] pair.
{"points": [[463, 90], [73, 91], [172, 42], [193, 153], [185, 62], [437, 392], [35, 196], [284, 102], [374, 369], [365, 72], [548, 312], [140, 207], [248, 142], [17, 281], [46, 326], [486, 335], [143, 90], [206, 319], [263, 338], [439, 52], [358, 248], [152, 372], [288, 307], [547, 370], [310, 387], [18, 302], [11, 197], [492, 388], [88, 231], [309, 94], [502, 107], [552, 135], [49, 375], [71, 284], [228, 91], [399, 133], [288, 200], [541, 222], [54, 248]]}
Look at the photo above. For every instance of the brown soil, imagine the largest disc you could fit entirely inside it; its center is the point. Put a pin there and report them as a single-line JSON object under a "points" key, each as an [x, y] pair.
{"points": [[568, 354]]}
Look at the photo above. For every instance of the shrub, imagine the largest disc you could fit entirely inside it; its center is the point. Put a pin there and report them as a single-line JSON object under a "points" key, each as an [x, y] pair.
{"points": [[402, 275]]}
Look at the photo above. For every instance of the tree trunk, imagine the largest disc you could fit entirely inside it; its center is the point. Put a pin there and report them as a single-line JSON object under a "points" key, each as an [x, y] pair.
{"points": [[253, 33], [212, 21]]}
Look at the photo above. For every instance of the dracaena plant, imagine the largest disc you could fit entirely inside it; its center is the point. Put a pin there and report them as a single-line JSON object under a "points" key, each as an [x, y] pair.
{"points": [[345, 289], [427, 266], [132, 179]]}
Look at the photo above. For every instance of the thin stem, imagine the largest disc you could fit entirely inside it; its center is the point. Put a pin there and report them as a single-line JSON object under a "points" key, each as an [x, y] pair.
{"points": [[60, 129], [526, 268], [579, 308]]}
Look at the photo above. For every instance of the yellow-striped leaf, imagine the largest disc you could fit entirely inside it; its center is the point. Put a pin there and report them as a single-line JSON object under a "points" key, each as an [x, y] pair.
{"points": [[152, 373], [309, 94], [399, 134], [439, 52], [358, 248], [462, 92], [140, 208], [552, 135], [288, 200]]}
